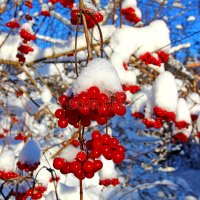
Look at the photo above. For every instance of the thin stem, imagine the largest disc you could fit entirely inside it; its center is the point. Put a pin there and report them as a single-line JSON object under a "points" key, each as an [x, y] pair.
{"points": [[76, 38]]}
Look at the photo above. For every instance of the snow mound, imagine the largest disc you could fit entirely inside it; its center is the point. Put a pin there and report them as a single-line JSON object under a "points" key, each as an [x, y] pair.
{"points": [[98, 72], [165, 92], [30, 153], [69, 153], [7, 161]]}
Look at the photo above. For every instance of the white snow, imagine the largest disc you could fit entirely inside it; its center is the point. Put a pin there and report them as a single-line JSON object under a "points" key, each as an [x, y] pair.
{"points": [[183, 113], [165, 92], [7, 160], [198, 123], [98, 72], [30, 153]]}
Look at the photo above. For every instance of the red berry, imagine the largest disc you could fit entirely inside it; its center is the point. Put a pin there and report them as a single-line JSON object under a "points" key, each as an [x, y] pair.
{"points": [[65, 169], [93, 92], [58, 163], [97, 165], [62, 123], [88, 166], [105, 138], [75, 166], [120, 97], [89, 175], [81, 156], [118, 157], [63, 100], [96, 135], [60, 113]]}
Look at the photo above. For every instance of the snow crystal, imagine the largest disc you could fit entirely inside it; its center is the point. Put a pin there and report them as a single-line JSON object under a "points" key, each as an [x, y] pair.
{"points": [[191, 18], [183, 113], [165, 92], [30, 153], [98, 72]]}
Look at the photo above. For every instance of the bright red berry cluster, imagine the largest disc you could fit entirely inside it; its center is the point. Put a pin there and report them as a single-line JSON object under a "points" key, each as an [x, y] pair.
{"points": [[24, 48], [163, 114], [26, 167], [82, 167], [182, 124], [45, 13], [92, 17], [13, 24], [138, 115], [147, 58], [107, 146], [130, 15], [107, 182], [56, 179], [64, 3], [153, 123], [4, 175], [132, 88], [20, 136], [35, 193], [29, 4], [88, 106], [179, 137]]}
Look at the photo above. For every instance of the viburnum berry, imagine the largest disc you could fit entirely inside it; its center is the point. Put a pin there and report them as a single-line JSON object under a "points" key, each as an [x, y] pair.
{"points": [[62, 123], [88, 166], [96, 135], [130, 15], [81, 156], [58, 163], [179, 137], [60, 113], [13, 24], [75, 166]]}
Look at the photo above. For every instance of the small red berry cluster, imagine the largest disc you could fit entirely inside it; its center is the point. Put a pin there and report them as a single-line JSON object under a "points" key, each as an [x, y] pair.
{"points": [[5, 132], [107, 146], [147, 58], [181, 124], [164, 114], [45, 11], [131, 88], [13, 24], [4, 175], [35, 193], [56, 179], [130, 15], [107, 182], [25, 48], [92, 17], [20, 136], [153, 123], [179, 137], [64, 3], [89, 106], [27, 167], [82, 167], [29, 4]]}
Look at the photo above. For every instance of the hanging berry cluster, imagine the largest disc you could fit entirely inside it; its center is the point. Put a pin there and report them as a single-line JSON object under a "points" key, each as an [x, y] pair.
{"points": [[107, 182], [130, 15], [162, 57], [64, 3], [92, 17], [27, 167], [13, 23], [91, 105], [4, 175], [25, 47], [86, 162], [35, 193]]}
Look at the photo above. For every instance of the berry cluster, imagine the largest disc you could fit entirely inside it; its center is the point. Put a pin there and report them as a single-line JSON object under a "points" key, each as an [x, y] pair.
{"points": [[130, 15], [92, 17], [107, 146], [20, 136], [132, 88], [147, 58], [179, 137], [25, 48], [89, 106], [138, 115], [13, 24], [45, 13], [163, 114], [56, 179], [153, 123], [81, 167], [182, 124], [4, 175], [27, 167], [29, 4], [64, 3], [35, 193], [107, 182]]}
